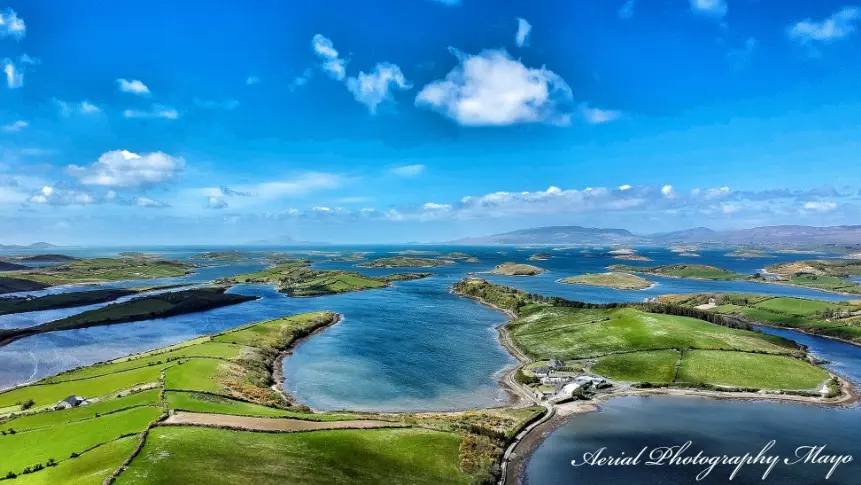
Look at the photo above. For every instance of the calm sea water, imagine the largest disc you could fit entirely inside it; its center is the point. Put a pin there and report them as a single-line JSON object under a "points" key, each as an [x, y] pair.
{"points": [[413, 346]]}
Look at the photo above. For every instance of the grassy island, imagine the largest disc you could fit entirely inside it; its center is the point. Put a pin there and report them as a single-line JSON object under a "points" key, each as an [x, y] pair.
{"points": [[205, 412], [222, 256], [691, 271], [651, 343], [841, 320], [160, 305], [748, 253], [61, 300], [517, 269], [297, 278], [828, 275], [103, 269], [540, 257], [619, 281], [455, 255], [6, 266], [405, 262]]}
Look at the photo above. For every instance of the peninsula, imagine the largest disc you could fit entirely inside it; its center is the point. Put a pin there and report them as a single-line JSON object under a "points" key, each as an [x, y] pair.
{"points": [[405, 262], [690, 271]]}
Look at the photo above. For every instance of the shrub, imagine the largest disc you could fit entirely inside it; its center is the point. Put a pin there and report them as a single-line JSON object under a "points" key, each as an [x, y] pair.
{"points": [[51, 462], [74, 454], [11, 475], [27, 404]]}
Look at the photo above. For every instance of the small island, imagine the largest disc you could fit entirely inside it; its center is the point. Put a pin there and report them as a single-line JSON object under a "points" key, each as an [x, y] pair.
{"points": [[827, 275], [517, 269], [297, 278], [616, 280], [95, 270], [221, 256], [627, 254], [7, 266], [161, 305], [540, 257], [455, 255], [748, 253], [405, 262], [690, 271]]}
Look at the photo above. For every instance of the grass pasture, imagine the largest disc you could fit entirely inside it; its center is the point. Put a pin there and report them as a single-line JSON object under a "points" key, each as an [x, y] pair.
{"points": [[49, 394], [207, 403], [91, 468], [206, 456], [740, 369], [198, 375], [658, 366], [65, 416], [28, 448]]}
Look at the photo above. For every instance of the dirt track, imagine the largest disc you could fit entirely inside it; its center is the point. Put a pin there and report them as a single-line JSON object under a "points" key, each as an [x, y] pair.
{"points": [[272, 424]]}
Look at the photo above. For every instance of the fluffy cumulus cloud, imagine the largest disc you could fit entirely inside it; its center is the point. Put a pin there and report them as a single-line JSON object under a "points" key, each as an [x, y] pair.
{"points": [[712, 8], [407, 170], [122, 168], [523, 30], [155, 111], [134, 87], [11, 25], [57, 196], [492, 88], [837, 26], [332, 63], [373, 88]]}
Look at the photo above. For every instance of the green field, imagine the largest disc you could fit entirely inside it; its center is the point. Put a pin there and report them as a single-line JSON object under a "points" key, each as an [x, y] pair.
{"points": [[296, 278], [50, 394], [196, 375], [570, 333], [204, 349], [278, 333], [834, 319], [740, 369], [692, 271], [657, 366], [28, 448], [53, 418], [619, 281], [207, 456], [208, 403], [91, 468]]}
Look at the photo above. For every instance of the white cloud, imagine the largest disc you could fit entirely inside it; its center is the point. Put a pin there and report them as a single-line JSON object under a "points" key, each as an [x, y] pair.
{"points": [[627, 10], [325, 49], [597, 116], [250, 80], [523, 30], [838, 25], [407, 170], [624, 187], [149, 203], [667, 190], [14, 76], [216, 203], [492, 88], [157, 111], [67, 109], [11, 25], [122, 168], [820, 206], [15, 126], [713, 8], [134, 86], [227, 104], [432, 206], [302, 79], [372, 89], [49, 195]]}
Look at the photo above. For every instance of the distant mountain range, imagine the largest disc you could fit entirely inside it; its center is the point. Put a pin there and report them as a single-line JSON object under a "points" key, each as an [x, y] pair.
{"points": [[783, 236], [38, 245], [285, 241]]}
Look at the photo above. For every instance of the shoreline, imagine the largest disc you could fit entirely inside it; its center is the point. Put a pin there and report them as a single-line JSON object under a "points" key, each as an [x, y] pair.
{"points": [[652, 285], [518, 453]]}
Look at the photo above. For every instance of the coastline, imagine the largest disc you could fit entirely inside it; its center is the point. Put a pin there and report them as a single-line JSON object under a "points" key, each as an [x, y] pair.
{"points": [[516, 457], [577, 283]]}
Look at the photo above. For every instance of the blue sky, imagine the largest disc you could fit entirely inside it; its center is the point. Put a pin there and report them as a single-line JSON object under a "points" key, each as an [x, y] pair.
{"points": [[423, 120]]}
